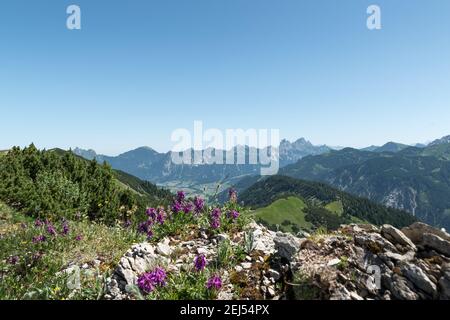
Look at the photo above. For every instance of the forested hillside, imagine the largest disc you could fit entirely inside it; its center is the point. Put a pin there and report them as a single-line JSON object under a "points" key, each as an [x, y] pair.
{"points": [[59, 184], [416, 180], [318, 195]]}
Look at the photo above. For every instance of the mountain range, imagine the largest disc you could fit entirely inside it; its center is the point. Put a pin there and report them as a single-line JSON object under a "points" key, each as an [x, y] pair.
{"points": [[411, 178], [414, 179], [151, 165]]}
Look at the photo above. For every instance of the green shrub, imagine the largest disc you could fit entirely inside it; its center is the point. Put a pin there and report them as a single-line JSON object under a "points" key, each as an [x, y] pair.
{"points": [[51, 184]]}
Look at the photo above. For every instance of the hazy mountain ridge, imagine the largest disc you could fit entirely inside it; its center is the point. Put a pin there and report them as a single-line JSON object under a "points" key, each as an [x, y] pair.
{"points": [[151, 165], [443, 140], [391, 147], [413, 179]]}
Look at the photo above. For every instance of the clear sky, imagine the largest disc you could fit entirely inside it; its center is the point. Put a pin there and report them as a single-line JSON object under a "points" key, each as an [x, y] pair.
{"points": [[137, 70]]}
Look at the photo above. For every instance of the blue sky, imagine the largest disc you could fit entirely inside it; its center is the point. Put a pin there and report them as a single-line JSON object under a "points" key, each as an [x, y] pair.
{"points": [[140, 69]]}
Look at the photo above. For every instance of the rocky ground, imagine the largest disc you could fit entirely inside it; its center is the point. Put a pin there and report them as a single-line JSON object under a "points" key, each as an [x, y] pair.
{"points": [[356, 262]]}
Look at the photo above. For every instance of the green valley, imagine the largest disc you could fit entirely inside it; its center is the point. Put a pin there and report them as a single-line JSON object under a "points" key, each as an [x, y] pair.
{"points": [[288, 214], [291, 204]]}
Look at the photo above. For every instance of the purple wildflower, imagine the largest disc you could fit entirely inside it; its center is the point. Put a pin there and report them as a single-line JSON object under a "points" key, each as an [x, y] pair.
{"points": [[216, 213], [187, 207], [38, 239], [215, 223], [79, 237], [159, 276], [65, 229], [161, 216], [149, 280], [51, 229], [151, 213], [199, 203], [38, 223], [215, 218], [144, 227], [200, 262], [145, 283], [233, 214], [13, 260], [232, 194], [176, 207], [214, 283], [180, 196]]}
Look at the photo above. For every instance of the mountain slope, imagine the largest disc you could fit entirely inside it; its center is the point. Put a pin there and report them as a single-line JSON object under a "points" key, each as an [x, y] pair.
{"points": [[440, 151], [288, 214], [443, 140], [318, 195], [318, 167], [58, 184], [414, 179]]}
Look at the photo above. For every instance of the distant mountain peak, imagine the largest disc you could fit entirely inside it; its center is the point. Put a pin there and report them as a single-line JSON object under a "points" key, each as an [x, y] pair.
{"points": [[144, 148], [443, 140], [370, 148], [302, 142], [391, 147], [141, 151], [298, 144], [87, 154], [83, 150]]}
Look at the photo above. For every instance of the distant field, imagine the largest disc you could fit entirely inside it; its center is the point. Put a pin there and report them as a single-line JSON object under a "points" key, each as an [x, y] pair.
{"points": [[335, 207], [293, 210], [290, 209]]}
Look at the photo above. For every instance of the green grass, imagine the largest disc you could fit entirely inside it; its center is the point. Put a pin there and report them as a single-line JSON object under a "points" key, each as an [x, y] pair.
{"points": [[303, 288], [185, 286], [36, 278], [335, 207], [290, 209], [31, 269], [10, 219], [357, 220], [290, 214]]}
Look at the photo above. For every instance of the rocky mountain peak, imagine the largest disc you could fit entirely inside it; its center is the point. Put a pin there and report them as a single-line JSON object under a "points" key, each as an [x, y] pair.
{"points": [[87, 154], [299, 144], [443, 140]]}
